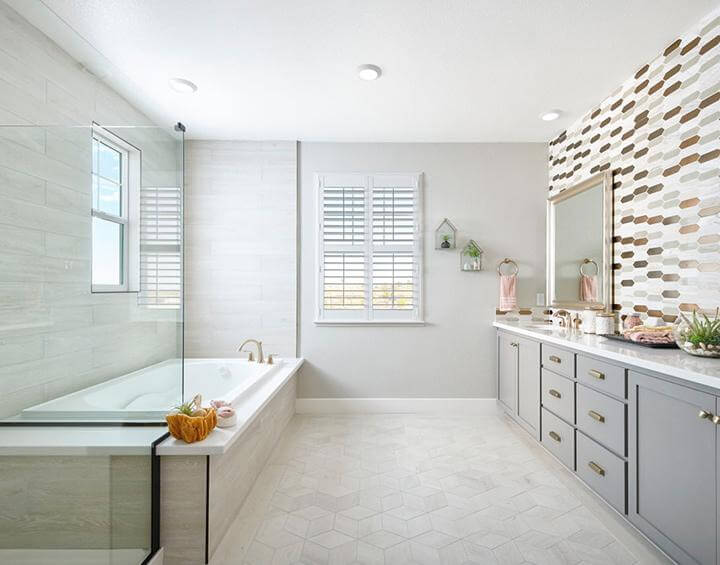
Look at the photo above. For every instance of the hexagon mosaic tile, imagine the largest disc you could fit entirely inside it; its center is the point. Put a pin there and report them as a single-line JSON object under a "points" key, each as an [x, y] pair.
{"points": [[412, 489], [660, 134]]}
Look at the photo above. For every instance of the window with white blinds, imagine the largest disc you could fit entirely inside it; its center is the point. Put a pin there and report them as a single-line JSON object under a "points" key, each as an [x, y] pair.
{"points": [[160, 248], [370, 248]]}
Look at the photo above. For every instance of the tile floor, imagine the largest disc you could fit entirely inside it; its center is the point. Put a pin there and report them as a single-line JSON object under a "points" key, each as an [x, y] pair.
{"points": [[418, 489]]}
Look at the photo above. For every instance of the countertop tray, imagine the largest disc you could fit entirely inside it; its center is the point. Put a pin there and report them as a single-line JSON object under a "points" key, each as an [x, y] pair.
{"points": [[620, 337]]}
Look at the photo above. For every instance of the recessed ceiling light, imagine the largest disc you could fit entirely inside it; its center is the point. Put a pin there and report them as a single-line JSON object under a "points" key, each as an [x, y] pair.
{"points": [[369, 72], [183, 86], [551, 115]]}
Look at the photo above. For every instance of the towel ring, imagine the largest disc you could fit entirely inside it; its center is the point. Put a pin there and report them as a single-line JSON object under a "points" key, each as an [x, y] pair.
{"points": [[507, 261], [589, 262]]}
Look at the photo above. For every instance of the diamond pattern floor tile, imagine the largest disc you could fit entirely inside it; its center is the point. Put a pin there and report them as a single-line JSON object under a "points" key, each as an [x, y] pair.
{"points": [[413, 489]]}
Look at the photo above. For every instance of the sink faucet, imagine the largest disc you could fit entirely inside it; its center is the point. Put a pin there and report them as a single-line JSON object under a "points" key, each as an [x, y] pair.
{"points": [[565, 318], [261, 358]]}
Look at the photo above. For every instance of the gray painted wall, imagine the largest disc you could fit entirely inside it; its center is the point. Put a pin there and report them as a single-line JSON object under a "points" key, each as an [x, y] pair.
{"points": [[494, 194]]}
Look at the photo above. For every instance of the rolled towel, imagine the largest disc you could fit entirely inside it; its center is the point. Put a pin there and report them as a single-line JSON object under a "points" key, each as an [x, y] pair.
{"points": [[508, 286]]}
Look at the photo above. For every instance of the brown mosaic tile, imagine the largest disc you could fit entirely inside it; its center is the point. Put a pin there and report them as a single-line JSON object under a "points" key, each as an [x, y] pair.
{"points": [[660, 138]]}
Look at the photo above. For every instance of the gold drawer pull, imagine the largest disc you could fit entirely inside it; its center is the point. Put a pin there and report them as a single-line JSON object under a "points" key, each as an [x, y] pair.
{"points": [[555, 359], [555, 436], [703, 415], [597, 468], [553, 392], [597, 374], [595, 416]]}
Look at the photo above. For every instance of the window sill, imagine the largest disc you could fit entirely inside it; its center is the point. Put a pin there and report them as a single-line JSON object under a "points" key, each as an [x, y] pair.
{"points": [[369, 322]]}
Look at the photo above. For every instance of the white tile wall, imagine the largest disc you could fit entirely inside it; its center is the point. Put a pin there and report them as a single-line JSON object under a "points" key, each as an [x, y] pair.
{"points": [[240, 246], [55, 336]]}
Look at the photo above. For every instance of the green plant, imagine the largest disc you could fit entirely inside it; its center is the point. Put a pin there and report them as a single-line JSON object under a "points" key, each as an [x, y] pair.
{"points": [[473, 252], [189, 408], [703, 330], [446, 238]]}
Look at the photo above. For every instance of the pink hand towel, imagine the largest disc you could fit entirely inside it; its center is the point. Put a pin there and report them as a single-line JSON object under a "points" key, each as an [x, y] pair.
{"points": [[508, 300], [588, 288]]}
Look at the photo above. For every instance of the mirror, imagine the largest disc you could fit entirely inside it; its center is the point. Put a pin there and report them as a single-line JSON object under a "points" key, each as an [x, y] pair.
{"points": [[579, 247]]}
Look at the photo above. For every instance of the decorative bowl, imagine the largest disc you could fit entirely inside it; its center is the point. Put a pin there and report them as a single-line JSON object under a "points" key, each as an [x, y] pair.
{"points": [[698, 336], [191, 428]]}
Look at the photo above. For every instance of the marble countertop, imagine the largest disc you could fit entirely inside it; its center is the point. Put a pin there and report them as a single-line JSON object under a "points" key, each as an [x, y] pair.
{"points": [[78, 440], [673, 362]]}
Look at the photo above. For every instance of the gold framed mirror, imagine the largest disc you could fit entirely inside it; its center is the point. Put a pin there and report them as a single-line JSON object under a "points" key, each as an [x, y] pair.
{"points": [[579, 244]]}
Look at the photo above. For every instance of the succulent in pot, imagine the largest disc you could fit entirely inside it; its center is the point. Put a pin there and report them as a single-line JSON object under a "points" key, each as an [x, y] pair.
{"points": [[445, 242], [699, 335]]}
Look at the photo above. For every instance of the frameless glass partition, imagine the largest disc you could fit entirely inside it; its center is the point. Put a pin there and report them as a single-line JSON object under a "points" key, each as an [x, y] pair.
{"points": [[91, 267], [79, 509]]}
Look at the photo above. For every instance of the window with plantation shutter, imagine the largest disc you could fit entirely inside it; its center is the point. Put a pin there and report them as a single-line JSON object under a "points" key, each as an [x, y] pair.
{"points": [[369, 248], [160, 248]]}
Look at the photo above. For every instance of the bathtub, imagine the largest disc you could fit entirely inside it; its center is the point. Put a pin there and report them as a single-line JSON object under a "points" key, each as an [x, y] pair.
{"points": [[148, 394]]}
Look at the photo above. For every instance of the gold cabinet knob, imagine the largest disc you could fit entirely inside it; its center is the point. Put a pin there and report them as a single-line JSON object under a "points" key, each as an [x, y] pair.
{"points": [[597, 468], [553, 392], [597, 374], [596, 416], [716, 420], [703, 415], [555, 436]]}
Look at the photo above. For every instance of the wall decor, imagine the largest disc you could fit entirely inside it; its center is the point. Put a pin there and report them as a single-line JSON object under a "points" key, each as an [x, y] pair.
{"points": [[660, 135], [445, 235]]}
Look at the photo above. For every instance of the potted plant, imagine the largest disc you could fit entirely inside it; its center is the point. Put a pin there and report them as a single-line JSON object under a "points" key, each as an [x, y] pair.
{"points": [[445, 242], [474, 254], [191, 422], [699, 335]]}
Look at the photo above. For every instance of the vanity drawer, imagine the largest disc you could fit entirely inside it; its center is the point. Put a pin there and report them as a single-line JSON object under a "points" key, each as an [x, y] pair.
{"points": [[602, 470], [600, 375], [558, 395], [558, 360], [558, 438], [602, 418]]}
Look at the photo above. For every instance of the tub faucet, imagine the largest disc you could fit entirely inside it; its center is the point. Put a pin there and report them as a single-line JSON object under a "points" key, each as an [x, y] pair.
{"points": [[261, 358]]}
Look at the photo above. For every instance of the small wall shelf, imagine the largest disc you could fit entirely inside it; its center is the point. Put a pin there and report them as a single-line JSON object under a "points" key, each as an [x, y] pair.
{"points": [[471, 257], [445, 235]]}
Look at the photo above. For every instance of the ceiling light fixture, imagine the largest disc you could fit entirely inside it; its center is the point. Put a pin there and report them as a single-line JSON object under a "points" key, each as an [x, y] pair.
{"points": [[183, 86], [551, 115], [369, 72]]}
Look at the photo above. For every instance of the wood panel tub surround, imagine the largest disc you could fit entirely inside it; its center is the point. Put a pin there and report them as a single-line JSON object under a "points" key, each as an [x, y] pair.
{"points": [[202, 494]]}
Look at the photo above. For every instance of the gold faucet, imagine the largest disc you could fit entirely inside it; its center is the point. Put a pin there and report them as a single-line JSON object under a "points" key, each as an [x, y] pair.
{"points": [[261, 358], [565, 318]]}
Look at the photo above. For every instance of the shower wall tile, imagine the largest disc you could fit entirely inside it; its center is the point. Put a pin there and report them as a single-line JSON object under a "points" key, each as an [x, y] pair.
{"points": [[660, 135], [240, 241], [55, 335]]}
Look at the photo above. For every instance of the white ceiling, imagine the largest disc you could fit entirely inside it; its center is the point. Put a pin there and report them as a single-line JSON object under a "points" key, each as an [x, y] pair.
{"points": [[453, 70]]}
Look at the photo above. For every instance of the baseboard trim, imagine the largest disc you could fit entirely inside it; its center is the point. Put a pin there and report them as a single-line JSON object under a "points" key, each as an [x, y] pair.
{"points": [[478, 406]]}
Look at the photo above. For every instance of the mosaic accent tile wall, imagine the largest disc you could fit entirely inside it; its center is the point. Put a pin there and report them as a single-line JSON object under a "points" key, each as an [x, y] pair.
{"points": [[660, 134]]}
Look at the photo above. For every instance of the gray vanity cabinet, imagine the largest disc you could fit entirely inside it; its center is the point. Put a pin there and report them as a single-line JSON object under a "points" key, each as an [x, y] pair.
{"points": [[673, 471], [529, 385], [507, 371], [519, 380]]}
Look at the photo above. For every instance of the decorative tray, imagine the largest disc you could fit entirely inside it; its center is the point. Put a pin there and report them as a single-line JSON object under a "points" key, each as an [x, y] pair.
{"points": [[621, 337]]}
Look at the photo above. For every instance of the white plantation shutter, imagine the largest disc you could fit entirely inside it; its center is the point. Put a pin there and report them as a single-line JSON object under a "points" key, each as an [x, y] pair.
{"points": [[370, 248], [160, 247]]}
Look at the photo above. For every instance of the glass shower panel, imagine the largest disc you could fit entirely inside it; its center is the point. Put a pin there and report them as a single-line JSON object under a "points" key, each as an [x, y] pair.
{"points": [[75, 510], [91, 313]]}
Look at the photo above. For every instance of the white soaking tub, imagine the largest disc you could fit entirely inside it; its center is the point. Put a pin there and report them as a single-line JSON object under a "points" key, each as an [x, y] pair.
{"points": [[148, 394]]}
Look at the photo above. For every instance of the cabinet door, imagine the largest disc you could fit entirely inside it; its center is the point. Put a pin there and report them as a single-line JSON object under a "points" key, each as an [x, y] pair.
{"points": [[529, 384], [507, 371], [672, 478]]}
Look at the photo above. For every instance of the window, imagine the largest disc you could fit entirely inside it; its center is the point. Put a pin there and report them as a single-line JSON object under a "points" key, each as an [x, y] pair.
{"points": [[110, 213], [370, 249], [161, 247]]}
